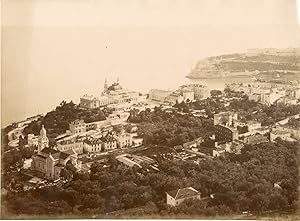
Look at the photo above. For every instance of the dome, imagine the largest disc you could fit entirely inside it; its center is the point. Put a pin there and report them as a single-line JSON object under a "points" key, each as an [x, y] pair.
{"points": [[43, 132], [115, 87]]}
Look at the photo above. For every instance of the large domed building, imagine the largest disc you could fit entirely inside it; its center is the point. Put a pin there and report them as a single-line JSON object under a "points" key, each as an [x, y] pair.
{"points": [[116, 94], [112, 94]]}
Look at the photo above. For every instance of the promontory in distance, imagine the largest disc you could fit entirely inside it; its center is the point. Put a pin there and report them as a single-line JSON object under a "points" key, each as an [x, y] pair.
{"points": [[261, 64]]}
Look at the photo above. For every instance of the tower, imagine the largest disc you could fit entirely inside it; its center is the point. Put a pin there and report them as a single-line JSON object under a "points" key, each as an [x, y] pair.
{"points": [[105, 86], [43, 139]]}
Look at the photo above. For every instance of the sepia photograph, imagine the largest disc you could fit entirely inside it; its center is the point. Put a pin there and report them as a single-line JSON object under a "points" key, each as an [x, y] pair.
{"points": [[148, 109]]}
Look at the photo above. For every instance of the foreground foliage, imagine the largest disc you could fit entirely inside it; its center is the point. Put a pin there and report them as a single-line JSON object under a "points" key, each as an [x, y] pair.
{"points": [[239, 183]]}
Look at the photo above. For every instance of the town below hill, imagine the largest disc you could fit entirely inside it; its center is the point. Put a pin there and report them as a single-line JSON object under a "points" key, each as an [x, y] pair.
{"points": [[183, 153]]}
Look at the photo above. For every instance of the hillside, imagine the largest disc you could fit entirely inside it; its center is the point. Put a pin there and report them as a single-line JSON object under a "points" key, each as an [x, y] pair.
{"points": [[262, 64]]}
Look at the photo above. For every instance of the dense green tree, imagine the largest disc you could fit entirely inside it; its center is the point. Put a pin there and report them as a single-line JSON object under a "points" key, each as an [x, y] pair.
{"points": [[163, 128], [58, 120], [241, 183]]}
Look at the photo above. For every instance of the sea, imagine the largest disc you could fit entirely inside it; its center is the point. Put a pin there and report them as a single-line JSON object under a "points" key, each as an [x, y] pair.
{"points": [[41, 66], [220, 83]]}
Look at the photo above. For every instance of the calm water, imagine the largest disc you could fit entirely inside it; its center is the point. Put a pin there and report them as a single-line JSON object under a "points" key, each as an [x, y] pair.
{"points": [[219, 84], [42, 66]]}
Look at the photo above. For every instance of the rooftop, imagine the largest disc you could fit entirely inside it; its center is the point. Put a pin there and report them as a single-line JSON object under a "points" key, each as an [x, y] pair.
{"points": [[251, 122], [88, 97], [189, 143], [70, 152], [257, 139], [77, 122], [54, 153], [48, 150], [183, 193], [92, 141], [280, 132], [262, 129]]}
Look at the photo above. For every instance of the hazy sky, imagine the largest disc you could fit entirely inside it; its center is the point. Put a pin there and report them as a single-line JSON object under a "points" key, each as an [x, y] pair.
{"points": [[60, 49]]}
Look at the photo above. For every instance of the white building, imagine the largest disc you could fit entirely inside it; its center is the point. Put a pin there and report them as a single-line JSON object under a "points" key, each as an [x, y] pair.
{"points": [[288, 100], [116, 94], [158, 95], [176, 197], [94, 145], [294, 132], [123, 139], [113, 94], [284, 135], [91, 145], [117, 117], [226, 118], [97, 125], [89, 102], [253, 125], [200, 91], [74, 144], [271, 98], [137, 141], [32, 140], [77, 127], [262, 130]]}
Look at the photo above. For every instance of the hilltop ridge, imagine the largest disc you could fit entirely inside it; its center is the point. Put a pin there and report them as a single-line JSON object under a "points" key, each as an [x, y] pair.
{"points": [[261, 64]]}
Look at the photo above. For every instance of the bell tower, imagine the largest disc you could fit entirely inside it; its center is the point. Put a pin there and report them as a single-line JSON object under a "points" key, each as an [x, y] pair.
{"points": [[43, 141]]}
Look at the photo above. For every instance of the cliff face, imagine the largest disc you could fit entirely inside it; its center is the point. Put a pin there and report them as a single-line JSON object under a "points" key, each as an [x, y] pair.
{"points": [[261, 64]]}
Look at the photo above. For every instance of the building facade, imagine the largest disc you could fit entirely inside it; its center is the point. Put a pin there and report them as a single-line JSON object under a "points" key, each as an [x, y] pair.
{"points": [[284, 135], [225, 133], [49, 162], [294, 132], [109, 143], [94, 145], [225, 118], [176, 197], [67, 145], [91, 145], [116, 94], [32, 140], [253, 125], [158, 95], [77, 127], [123, 139], [256, 139], [89, 102], [200, 91]]}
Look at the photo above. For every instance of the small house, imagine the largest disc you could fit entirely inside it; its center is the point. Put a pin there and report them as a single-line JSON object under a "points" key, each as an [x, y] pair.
{"points": [[175, 197]]}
